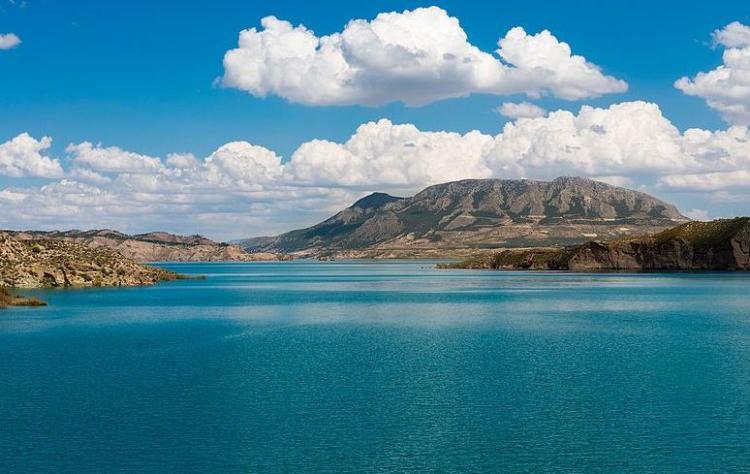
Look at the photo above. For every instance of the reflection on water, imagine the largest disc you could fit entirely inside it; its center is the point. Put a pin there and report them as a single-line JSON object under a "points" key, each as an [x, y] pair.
{"points": [[380, 367]]}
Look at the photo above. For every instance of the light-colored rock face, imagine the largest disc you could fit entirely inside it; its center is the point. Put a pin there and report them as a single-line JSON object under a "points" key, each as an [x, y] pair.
{"points": [[485, 213], [156, 246], [61, 263]]}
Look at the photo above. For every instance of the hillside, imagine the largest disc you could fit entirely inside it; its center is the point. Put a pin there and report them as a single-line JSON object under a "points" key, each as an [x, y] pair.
{"points": [[154, 246], [488, 213], [61, 263], [718, 245]]}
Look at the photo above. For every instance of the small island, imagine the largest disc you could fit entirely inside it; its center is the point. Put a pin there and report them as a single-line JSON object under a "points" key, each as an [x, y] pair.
{"points": [[720, 245]]}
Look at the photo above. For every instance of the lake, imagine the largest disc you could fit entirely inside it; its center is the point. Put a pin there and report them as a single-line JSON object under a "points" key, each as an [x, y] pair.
{"points": [[360, 366]]}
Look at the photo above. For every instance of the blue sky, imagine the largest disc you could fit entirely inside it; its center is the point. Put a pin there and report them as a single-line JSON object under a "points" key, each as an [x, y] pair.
{"points": [[141, 75]]}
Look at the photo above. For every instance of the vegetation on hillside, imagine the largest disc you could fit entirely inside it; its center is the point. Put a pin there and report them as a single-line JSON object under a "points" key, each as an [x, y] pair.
{"points": [[722, 244]]}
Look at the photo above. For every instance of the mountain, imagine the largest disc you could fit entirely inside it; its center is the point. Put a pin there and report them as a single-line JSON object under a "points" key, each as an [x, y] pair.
{"points": [[154, 246], [59, 262], [718, 245], [481, 213]]}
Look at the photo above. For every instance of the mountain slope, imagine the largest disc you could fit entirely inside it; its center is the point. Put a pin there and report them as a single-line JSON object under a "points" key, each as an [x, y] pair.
{"points": [[483, 213]]}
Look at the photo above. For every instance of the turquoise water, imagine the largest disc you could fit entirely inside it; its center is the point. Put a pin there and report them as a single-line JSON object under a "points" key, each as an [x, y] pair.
{"points": [[381, 367]]}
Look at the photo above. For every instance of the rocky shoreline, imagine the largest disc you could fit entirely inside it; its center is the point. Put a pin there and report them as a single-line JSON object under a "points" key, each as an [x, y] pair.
{"points": [[59, 263], [7, 299], [720, 245]]}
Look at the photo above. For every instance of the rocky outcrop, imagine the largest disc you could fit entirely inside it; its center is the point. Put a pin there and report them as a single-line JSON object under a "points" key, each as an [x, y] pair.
{"points": [[7, 299], [155, 246], [61, 263], [482, 213], [718, 245]]}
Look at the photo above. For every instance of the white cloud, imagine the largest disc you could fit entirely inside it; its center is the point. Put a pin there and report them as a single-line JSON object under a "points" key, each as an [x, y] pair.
{"points": [[9, 41], [726, 88], [23, 156], [88, 175], [734, 35], [698, 214], [520, 110], [244, 163], [625, 139], [381, 154], [181, 160], [112, 159], [415, 57], [542, 63], [247, 189], [719, 181]]}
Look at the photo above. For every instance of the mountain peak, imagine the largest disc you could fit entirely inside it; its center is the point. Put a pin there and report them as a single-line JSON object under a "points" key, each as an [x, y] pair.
{"points": [[375, 200]]}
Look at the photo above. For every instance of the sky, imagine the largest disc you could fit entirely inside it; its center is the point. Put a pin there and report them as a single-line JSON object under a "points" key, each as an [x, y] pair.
{"points": [[237, 119]]}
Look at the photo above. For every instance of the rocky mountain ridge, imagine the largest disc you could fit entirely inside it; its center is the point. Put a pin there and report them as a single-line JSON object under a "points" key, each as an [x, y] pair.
{"points": [[481, 213]]}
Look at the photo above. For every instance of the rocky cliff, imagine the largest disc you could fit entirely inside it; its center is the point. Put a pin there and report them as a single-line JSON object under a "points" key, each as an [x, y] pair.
{"points": [[486, 213], [154, 246], [62, 263], [718, 245]]}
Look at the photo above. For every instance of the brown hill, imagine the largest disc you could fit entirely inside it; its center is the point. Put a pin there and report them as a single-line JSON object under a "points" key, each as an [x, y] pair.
{"points": [[154, 246]]}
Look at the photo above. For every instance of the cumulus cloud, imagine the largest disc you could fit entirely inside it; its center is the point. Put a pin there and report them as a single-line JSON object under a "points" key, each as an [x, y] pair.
{"points": [[719, 181], [381, 154], [24, 156], [625, 139], [734, 35], [726, 88], [247, 189], [415, 57], [112, 159], [520, 110], [698, 214], [244, 163], [9, 41], [181, 160]]}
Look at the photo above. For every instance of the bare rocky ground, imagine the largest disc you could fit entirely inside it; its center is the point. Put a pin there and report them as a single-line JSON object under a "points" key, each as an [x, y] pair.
{"points": [[155, 246], [61, 263]]}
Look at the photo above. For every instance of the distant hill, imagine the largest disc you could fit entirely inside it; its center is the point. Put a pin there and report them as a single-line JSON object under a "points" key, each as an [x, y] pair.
{"points": [[482, 213], [153, 246], [718, 245]]}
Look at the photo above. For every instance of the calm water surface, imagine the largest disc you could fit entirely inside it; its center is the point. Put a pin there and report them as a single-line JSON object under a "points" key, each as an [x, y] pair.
{"points": [[380, 367]]}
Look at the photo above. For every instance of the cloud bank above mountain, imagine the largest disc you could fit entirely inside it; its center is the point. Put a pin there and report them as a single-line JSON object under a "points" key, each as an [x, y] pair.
{"points": [[249, 189], [415, 57]]}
